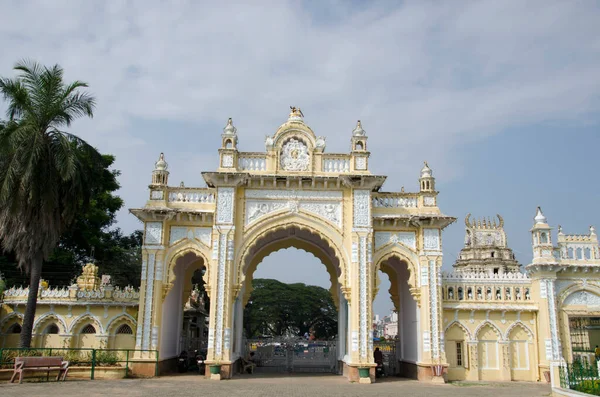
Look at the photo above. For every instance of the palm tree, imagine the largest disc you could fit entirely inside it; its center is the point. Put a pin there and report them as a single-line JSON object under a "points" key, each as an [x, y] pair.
{"points": [[44, 174]]}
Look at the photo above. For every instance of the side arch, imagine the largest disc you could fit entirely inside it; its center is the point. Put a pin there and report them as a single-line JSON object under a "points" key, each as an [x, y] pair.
{"points": [[118, 320], [492, 326], [404, 255], [82, 320], [461, 326], [179, 250], [40, 322], [574, 288], [521, 325], [9, 320]]}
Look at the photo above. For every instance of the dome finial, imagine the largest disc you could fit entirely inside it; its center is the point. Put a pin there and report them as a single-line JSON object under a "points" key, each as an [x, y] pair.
{"points": [[161, 164], [426, 171], [592, 230], [296, 114], [358, 130], [539, 217], [229, 128]]}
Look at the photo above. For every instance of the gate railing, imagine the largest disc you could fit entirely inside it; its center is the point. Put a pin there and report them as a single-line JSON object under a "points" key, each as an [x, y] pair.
{"points": [[580, 376], [293, 355]]}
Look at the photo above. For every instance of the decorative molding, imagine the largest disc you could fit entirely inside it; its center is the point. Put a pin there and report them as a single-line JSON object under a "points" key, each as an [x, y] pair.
{"points": [[227, 161], [408, 239], [153, 233], [433, 301], [362, 208], [202, 234], [148, 300], [332, 211], [220, 293], [360, 163], [294, 156], [431, 239], [429, 201], [157, 195], [225, 205], [582, 298], [363, 297], [292, 194]]}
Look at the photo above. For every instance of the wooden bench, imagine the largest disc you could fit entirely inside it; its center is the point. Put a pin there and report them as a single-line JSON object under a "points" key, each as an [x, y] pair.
{"points": [[47, 364]]}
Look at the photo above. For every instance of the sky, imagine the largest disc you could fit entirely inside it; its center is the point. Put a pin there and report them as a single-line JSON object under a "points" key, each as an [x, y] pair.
{"points": [[500, 97]]}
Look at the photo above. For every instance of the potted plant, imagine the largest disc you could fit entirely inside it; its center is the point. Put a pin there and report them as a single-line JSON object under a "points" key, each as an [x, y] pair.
{"points": [[215, 368], [363, 372]]}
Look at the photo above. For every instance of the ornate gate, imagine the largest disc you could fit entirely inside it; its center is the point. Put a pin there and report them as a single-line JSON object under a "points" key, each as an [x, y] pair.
{"points": [[390, 361], [293, 355]]}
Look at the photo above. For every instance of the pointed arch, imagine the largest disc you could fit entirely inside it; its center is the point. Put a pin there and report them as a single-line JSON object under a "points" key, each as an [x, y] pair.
{"points": [[515, 325], [42, 321], [83, 320], [460, 325], [297, 229], [118, 320], [494, 328], [404, 254], [574, 288], [9, 320], [182, 248]]}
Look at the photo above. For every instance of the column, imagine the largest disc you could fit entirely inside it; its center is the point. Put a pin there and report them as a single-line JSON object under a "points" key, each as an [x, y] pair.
{"points": [[219, 333]]}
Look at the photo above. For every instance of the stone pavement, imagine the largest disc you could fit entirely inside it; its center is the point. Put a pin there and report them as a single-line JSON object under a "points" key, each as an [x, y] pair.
{"points": [[273, 385]]}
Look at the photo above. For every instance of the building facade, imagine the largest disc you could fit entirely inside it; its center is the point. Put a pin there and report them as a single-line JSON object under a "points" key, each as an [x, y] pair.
{"points": [[488, 320]]}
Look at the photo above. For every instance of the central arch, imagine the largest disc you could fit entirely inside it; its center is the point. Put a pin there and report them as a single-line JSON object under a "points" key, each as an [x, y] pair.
{"points": [[304, 232]]}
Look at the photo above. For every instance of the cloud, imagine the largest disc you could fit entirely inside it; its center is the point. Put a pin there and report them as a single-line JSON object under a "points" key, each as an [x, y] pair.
{"points": [[425, 77]]}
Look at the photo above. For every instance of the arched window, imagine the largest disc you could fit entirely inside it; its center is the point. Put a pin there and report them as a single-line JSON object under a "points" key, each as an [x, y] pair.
{"points": [[228, 144], [544, 238], [88, 329], [51, 329], [359, 146], [124, 329], [14, 329]]}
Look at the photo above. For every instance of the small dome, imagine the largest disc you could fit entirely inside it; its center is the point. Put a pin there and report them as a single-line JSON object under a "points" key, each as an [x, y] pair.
{"points": [[229, 128], [539, 217], [161, 164], [426, 171], [358, 130], [592, 230]]}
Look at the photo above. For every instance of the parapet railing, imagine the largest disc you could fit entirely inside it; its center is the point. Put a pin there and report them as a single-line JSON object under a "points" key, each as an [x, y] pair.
{"points": [[74, 293], [252, 162], [339, 163], [395, 200], [482, 287], [190, 195]]}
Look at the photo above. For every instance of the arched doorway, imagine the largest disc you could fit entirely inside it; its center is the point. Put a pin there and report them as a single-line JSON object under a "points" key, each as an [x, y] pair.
{"points": [[185, 306], [293, 353], [401, 332]]}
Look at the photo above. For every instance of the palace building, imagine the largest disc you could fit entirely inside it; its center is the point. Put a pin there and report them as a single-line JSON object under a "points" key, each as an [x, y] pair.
{"points": [[490, 319]]}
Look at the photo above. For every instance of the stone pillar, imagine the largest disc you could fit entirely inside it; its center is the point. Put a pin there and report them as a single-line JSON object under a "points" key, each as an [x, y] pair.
{"points": [[147, 335], [360, 313], [221, 319]]}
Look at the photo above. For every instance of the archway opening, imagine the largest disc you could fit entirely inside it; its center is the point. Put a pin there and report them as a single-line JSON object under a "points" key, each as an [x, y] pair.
{"points": [[396, 321], [292, 316], [185, 308]]}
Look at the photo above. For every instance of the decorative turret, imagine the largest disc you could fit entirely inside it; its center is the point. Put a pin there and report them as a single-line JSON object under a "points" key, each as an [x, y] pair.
{"points": [[359, 147], [89, 279], [541, 239], [228, 151], [427, 181], [160, 175], [296, 114], [486, 249]]}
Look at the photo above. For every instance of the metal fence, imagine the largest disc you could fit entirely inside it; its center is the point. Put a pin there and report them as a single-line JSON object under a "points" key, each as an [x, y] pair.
{"points": [[390, 362], [88, 359], [580, 376], [293, 355]]}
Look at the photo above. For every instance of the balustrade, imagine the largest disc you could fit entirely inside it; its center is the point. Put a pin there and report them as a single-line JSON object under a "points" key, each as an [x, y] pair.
{"points": [[186, 195], [336, 164], [394, 200], [252, 163], [479, 287]]}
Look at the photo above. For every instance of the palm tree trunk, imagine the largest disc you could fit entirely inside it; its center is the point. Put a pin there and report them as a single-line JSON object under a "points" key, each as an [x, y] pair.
{"points": [[34, 285]]}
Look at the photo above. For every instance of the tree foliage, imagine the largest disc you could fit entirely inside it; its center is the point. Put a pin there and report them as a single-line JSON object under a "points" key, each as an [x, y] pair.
{"points": [[45, 172], [279, 309]]}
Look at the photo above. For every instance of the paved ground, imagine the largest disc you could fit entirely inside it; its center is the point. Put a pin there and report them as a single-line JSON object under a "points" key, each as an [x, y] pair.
{"points": [[297, 385]]}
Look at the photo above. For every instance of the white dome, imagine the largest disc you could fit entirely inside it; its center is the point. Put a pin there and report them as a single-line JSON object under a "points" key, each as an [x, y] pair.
{"points": [[161, 164], [358, 130], [426, 171], [229, 128], [539, 217]]}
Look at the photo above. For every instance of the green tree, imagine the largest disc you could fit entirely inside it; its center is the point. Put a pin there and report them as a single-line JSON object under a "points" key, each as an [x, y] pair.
{"points": [[45, 172], [279, 309]]}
